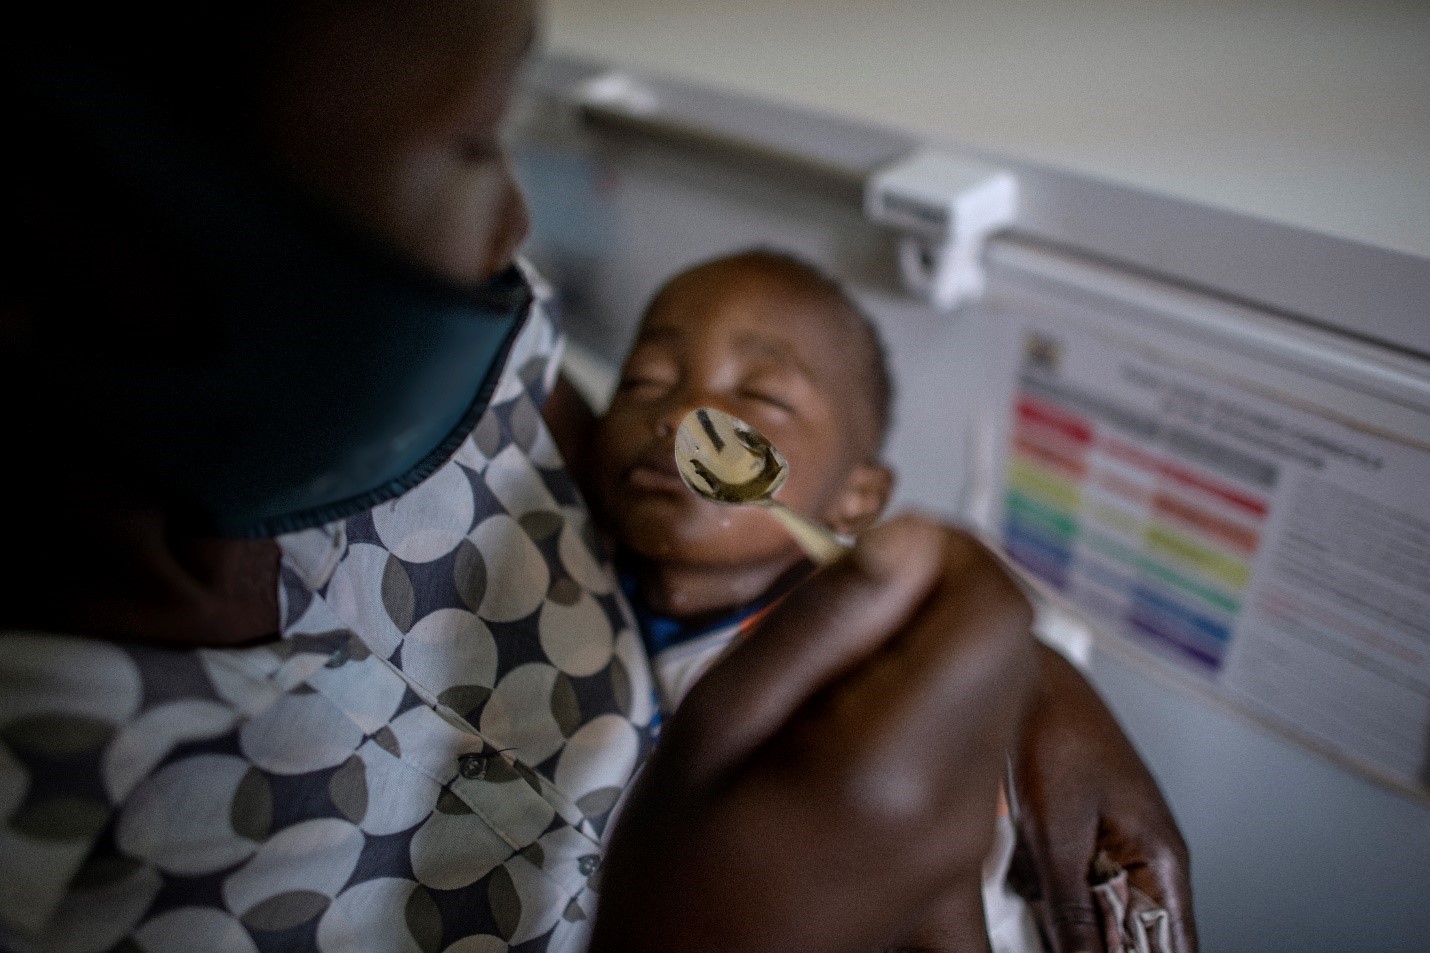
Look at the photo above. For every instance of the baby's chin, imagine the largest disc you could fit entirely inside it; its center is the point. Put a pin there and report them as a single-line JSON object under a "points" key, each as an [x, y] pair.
{"points": [[698, 534]]}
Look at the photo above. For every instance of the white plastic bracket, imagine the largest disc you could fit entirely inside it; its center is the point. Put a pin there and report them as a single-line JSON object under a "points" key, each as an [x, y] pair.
{"points": [[945, 208], [618, 92]]}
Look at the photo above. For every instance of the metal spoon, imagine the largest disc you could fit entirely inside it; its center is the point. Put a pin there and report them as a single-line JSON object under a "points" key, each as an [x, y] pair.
{"points": [[724, 459]]}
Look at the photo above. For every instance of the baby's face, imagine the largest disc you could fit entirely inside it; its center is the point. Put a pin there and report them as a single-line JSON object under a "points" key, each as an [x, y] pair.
{"points": [[733, 337]]}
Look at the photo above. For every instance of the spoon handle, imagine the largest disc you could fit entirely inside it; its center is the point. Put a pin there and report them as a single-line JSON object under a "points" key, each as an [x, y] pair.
{"points": [[818, 541]]}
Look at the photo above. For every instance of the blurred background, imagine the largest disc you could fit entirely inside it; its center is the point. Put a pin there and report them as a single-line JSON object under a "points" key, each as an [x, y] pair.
{"points": [[1311, 112]]}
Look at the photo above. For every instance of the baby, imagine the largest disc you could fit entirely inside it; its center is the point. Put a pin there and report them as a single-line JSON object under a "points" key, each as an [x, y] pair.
{"points": [[771, 340]]}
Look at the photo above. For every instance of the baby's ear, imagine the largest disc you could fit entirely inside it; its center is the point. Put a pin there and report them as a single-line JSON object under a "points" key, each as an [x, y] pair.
{"points": [[866, 492]]}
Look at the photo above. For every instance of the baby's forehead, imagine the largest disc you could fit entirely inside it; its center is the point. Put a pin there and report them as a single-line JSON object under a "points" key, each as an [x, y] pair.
{"points": [[755, 297]]}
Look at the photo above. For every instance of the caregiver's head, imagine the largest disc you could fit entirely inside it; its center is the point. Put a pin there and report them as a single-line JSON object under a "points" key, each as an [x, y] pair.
{"points": [[394, 108], [389, 109], [264, 248], [248, 282]]}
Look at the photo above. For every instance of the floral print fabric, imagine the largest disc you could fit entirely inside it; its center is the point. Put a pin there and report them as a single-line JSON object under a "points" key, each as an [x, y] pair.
{"points": [[426, 762]]}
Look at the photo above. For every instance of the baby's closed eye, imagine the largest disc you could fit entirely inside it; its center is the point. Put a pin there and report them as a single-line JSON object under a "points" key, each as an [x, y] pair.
{"points": [[768, 397], [644, 383]]}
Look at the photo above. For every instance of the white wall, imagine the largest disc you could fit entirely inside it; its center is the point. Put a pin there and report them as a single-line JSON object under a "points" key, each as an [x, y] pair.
{"points": [[1311, 112]]}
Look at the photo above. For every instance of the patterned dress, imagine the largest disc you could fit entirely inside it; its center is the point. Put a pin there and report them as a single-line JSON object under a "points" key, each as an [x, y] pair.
{"points": [[425, 763]]}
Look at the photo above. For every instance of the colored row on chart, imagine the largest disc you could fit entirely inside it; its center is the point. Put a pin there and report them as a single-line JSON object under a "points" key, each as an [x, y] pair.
{"points": [[1142, 537], [1124, 585], [1074, 415]]}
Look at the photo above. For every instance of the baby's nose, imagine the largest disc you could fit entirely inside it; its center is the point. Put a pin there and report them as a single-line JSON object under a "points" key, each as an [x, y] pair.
{"points": [[675, 407], [691, 395]]}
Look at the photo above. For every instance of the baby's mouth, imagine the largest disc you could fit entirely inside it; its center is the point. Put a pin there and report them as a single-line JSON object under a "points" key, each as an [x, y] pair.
{"points": [[655, 471]]}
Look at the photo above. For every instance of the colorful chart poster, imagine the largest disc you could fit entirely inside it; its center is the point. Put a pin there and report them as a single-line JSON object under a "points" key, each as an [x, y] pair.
{"points": [[1272, 548]]}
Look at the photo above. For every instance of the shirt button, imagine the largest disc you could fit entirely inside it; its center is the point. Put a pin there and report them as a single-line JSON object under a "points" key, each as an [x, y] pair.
{"points": [[473, 767], [588, 864]]}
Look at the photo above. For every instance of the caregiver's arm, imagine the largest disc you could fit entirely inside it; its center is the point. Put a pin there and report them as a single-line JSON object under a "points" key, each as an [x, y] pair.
{"points": [[823, 784], [1083, 789]]}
